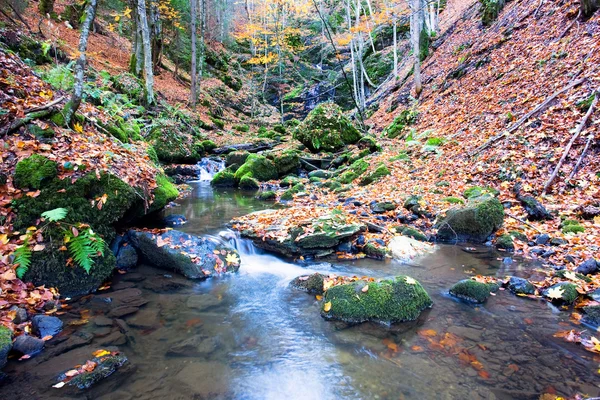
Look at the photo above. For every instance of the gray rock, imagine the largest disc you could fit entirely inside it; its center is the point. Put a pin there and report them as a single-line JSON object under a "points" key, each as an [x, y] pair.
{"points": [[381, 207], [127, 258], [114, 339], [520, 286], [145, 319], [46, 325], [466, 333], [121, 311], [21, 315], [557, 241], [542, 239], [474, 222], [202, 302], [195, 346], [589, 266], [28, 345], [174, 220], [101, 320]]}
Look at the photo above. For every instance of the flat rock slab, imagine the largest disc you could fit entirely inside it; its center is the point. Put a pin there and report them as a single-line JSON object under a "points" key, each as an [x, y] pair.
{"points": [[203, 302], [145, 319], [195, 346], [203, 380]]}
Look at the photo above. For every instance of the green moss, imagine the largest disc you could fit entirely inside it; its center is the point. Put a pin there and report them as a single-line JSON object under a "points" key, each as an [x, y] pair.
{"points": [[398, 126], [332, 185], [378, 66], [356, 169], [563, 272], [326, 128], [236, 157], [39, 132], [5, 337], [387, 301], [490, 10], [249, 183], [374, 250], [435, 141], [572, 226], [260, 168], [413, 233], [475, 222], [519, 236], [592, 315], [288, 195], [223, 178], [58, 118], [374, 176], [128, 84], [171, 145], [164, 193], [242, 128], [311, 284], [453, 200], [79, 199], [369, 143], [267, 195], [473, 291], [208, 145], [569, 292], [314, 179], [152, 155], [289, 181], [286, 162], [218, 123], [33, 172], [505, 242]]}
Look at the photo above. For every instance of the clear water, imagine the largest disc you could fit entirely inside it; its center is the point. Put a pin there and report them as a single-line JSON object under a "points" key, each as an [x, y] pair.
{"points": [[263, 340]]}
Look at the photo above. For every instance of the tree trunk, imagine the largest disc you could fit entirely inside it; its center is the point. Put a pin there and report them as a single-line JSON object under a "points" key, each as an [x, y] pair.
{"points": [[46, 7], [155, 37], [193, 72], [589, 7], [73, 105], [148, 73], [395, 47], [202, 39], [415, 33]]}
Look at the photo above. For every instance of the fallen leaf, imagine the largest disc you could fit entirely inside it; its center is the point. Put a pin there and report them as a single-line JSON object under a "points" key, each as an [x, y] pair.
{"points": [[327, 306]]}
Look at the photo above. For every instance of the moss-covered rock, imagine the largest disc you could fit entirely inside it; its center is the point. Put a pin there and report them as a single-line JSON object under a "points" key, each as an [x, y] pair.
{"points": [[473, 291], [473, 223], [34, 171], [105, 367], [388, 301], [490, 10], [412, 233], [375, 250], [164, 193], [5, 344], [286, 162], [326, 128], [267, 195], [289, 181], [562, 292], [453, 200], [248, 183], [225, 178], [129, 85], [505, 242], [289, 194], [208, 145], [398, 127], [378, 66], [478, 191], [374, 176], [311, 284], [171, 145], [355, 170], [520, 286], [571, 226], [259, 168], [236, 157]]}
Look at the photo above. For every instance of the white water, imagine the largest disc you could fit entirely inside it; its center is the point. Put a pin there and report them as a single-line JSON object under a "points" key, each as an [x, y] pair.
{"points": [[208, 169]]}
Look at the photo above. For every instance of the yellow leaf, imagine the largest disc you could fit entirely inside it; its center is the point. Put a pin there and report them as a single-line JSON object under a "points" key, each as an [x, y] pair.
{"points": [[555, 293], [232, 259], [410, 280], [365, 289], [319, 297], [77, 127], [100, 353], [327, 306], [4, 238]]}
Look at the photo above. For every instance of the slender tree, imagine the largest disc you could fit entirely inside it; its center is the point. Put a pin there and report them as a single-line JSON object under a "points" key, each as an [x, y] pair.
{"points": [[145, 33], [73, 105], [415, 33], [193, 72]]}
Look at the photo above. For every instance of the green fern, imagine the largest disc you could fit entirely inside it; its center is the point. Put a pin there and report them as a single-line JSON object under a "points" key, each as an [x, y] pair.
{"points": [[22, 258], [84, 247], [55, 215]]}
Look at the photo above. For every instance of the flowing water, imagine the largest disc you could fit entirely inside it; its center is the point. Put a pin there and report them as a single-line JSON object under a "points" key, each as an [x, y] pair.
{"points": [[254, 337]]}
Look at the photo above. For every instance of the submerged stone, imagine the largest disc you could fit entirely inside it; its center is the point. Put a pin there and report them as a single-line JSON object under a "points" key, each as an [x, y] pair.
{"points": [[388, 301], [311, 284]]}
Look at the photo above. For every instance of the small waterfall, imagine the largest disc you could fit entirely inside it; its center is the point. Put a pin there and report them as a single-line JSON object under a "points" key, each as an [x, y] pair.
{"points": [[209, 167], [244, 246]]}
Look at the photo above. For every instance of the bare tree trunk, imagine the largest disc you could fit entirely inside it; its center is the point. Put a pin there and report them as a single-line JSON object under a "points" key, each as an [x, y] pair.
{"points": [[395, 47], [202, 38], [73, 105], [155, 36], [589, 7], [193, 72], [148, 73], [415, 33]]}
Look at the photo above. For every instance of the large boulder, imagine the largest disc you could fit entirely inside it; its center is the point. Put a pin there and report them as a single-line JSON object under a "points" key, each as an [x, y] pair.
{"points": [[257, 167], [388, 301], [33, 171], [326, 128], [5, 344], [473, 223], [192, 256], [173, 145]]}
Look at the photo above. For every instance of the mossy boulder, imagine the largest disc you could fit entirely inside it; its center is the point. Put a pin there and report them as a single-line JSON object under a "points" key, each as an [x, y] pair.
{"points": [[311, 284], [326, 128], [164, 193], [374, 176], [258, 167], [172, 145], [129, 85], [412, 233], [473, 223], [289, 194], [248, 183], [208, 145], [236, 157], [289, 181], [225, 178], [473, 291], [505, 242], [355, 170], [571, 226], [388, 301], [478, 191], [398, 127], [286, 162], [5, 344], [267, 195], [32, 172], [562, 292]]}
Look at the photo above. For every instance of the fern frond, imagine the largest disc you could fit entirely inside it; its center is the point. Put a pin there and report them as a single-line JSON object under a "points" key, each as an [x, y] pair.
{"points": [[22, 258], [82, 251], [55, 215]]}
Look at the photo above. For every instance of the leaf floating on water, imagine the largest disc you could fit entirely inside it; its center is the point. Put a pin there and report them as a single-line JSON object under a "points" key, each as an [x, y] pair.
{"points": [[59, 385], [327, 306], [71, 373]]}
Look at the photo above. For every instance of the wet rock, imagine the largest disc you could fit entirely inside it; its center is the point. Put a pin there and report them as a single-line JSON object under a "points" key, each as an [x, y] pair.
{"points": [[127, 258], [76, 340], [20, 314], [311, 284], [557, 241], [589, 266], [161, 284], [204, 380], [174, 220], [535, 210], [195, 346], [388, 301], [404, 248], [595, 295], [103, 321], [472, 223], [122, 285], [466, 333], [5, 344], [145, 319], [548, 253], [121, 311], [46, 325], [208, 254], [473, 291], [520, 286], [202, 302], [562, 292], [542, 239], [105, 367], [592, 315], [382, 207], [133, 277], [345, 247], [28, 345], [114, 339], [102, 331]]}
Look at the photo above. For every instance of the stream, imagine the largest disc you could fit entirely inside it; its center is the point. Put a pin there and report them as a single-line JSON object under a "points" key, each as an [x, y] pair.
{"points": [[251, 336]]}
